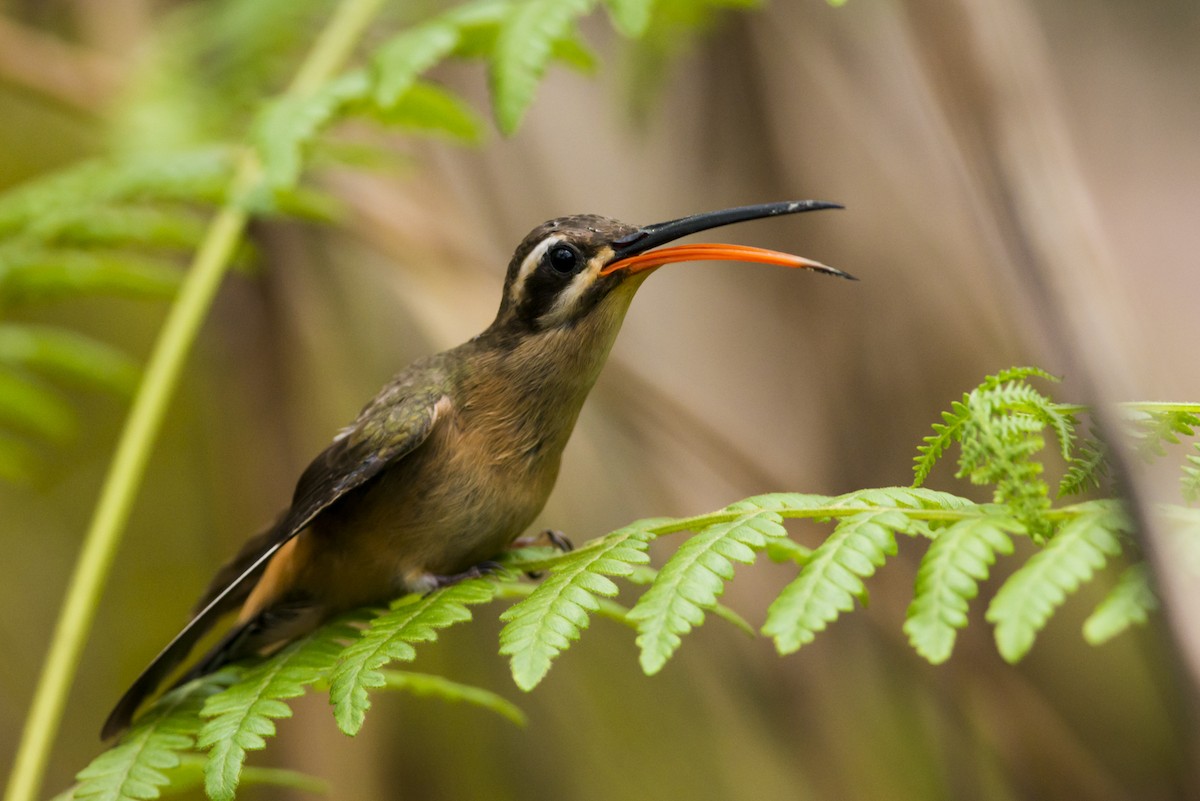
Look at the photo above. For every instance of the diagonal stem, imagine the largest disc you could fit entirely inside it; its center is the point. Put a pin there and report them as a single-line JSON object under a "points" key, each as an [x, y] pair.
{"points": [[331, 50]]}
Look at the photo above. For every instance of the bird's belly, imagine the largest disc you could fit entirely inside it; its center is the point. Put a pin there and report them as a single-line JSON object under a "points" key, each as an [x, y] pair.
{"points": [[434, 515]]}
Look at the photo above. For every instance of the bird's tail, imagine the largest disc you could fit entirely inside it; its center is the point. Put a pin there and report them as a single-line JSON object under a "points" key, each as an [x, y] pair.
{"points": [[261, 634]]}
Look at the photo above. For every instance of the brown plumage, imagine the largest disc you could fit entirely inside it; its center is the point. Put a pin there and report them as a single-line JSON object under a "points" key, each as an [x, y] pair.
{"points": [[455, 457]]}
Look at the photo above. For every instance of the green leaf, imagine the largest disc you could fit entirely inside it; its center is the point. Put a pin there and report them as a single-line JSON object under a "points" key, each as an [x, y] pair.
{"points": [[399, 62], [28, 275], [782, 549], [27, 405], [65, 354], [523, 50], [959, 558], [287, 125], [1025, 602], [390, 637], [425, 684], [140, 765], [544, 624], [1088, 469], [630, 17], [828, 584], [1129, 603], [199, 175], [242, 717], [693, 579], [428, 108]]}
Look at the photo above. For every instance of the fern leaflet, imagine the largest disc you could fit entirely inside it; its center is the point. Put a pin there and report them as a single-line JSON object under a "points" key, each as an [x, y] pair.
{"points": [[1029, 597], [693, 579], [139, 765], [1129, 603], [959, 557], [241, 717], [390, 637], [425, 684], [544, 624], [831, 580], [523, 50]]}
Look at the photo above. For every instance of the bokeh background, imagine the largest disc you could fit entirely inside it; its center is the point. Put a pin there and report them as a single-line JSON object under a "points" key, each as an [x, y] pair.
{"points": [[1020, 178]]}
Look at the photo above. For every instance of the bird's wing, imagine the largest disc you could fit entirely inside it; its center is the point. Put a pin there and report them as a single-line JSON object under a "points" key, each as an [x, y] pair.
{"points": [[390, 427]]}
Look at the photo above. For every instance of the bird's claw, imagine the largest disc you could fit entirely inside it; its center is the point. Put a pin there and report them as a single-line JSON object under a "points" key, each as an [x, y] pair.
{"points": [[481, 570], [548, 538]]}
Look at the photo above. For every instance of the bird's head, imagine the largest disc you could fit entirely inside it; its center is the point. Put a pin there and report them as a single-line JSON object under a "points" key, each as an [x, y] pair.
{"points": [[567, 268]]}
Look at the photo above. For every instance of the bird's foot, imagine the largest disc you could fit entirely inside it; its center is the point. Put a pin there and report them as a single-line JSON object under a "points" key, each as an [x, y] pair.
{"points": [[433, 582], [548, 538]]}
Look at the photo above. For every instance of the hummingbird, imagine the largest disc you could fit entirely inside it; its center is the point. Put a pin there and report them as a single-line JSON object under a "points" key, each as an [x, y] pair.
{"points": [[453, 459]]}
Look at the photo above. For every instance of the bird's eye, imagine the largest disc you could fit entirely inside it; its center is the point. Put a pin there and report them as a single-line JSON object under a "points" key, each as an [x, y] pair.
{"points": [[564, 259]]}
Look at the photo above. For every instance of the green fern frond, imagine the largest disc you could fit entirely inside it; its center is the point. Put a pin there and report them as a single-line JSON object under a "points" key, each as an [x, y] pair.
{"points": [[783, 549], [1155, 428], [945, 434], [1088, 469], [429, 109], [66, 355], [693, 579], [948, 578], [523, 50], [290, 123], [197, 176], [390, 637], [900, 498], [1080, 547], [401, 60], [425, 684], [831, 580], [1129, 603], [30, 275], [1190, 481], [118, 225], [242, 717], [139, 766], [544, 624]]}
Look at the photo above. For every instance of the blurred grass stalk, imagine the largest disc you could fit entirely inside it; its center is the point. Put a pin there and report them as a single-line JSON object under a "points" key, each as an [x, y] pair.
{"points": [[328, 54]]}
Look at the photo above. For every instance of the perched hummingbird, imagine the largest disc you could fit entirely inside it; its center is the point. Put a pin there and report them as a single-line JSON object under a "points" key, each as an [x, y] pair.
{"points": [[454, 458]]}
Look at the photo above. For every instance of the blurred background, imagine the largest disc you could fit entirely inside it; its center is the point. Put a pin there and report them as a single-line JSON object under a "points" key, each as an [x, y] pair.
{"points": [[1020, 181]]}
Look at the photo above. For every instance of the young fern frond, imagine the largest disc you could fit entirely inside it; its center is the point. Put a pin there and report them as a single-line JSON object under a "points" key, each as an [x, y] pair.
{"points": [[242, 717], [544, 624], [828, 584], [1086, 470], [390, 637], [693, 579], [1080, 547], [959, 558]]}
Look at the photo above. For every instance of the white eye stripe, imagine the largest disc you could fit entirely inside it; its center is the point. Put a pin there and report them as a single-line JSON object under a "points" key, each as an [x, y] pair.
{"points": [[567, 299], [529, 265]]}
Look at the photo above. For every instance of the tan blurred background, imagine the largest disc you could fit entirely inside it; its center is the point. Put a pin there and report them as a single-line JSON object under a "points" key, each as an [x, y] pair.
{"points": [[1020, 181]]}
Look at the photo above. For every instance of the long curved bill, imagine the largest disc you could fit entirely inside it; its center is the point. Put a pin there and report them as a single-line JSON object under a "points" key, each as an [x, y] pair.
{"points": [[634, 252]]}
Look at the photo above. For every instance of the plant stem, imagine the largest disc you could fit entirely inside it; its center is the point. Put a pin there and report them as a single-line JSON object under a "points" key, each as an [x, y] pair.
{"points": [[334, 46]]}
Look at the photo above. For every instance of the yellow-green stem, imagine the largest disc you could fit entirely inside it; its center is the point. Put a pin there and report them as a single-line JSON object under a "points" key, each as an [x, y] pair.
{"points": [[183, 323]]}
